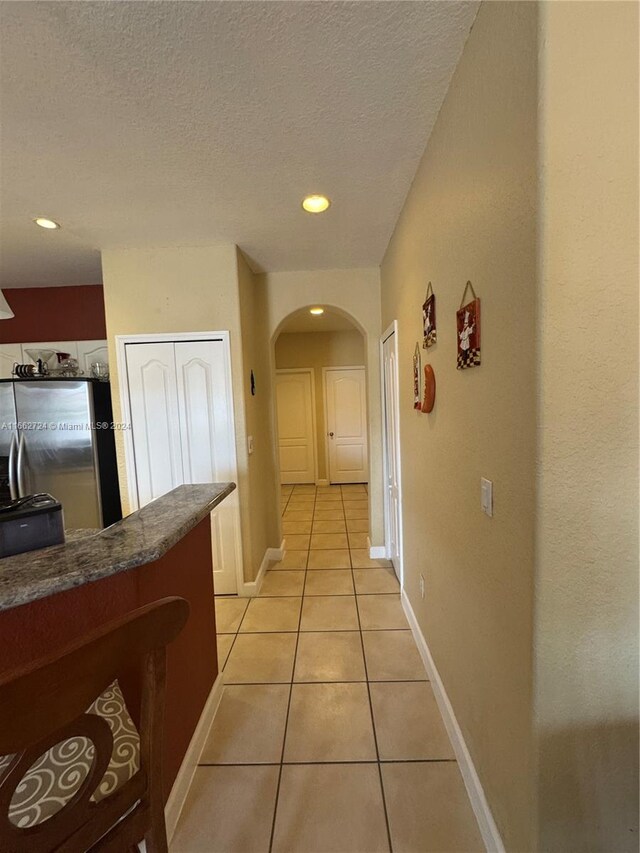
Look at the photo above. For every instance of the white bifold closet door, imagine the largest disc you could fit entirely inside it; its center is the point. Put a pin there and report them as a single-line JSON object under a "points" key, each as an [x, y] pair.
{"points": [[183, 432]]}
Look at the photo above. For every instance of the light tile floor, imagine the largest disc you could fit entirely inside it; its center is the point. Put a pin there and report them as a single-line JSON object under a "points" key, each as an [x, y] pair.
{"points": [[328, 738]]}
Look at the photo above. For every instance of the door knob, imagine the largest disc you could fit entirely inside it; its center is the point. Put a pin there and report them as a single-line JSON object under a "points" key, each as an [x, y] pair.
{"points": [[331, 434]]}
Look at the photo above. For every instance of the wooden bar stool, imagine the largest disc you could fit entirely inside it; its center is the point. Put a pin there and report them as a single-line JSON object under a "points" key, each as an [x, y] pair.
{"points": [[46, 704]]}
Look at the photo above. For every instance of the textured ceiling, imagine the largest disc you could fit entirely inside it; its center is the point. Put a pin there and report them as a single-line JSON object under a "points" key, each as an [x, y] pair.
{"points": [[138, 123]]}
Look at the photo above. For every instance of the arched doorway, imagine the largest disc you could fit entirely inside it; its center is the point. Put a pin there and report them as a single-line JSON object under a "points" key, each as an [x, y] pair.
{"points": [[321, 399], [321, 415], [353, 295]]}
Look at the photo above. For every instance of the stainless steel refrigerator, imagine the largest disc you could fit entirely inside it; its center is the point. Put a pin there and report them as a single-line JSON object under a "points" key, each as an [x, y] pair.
{"points": [[56, 436]]}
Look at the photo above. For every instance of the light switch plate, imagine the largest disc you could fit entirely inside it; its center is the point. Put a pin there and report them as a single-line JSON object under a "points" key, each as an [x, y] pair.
{"points": [[250, 444], [486, 496]]}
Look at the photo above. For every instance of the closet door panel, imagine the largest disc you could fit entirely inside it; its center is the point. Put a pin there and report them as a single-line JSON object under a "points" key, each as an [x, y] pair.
{"points": [[153, 392], [206, 419], [208, 444]]}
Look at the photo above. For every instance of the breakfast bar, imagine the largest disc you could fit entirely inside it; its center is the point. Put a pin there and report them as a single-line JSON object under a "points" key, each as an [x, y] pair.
{"points": [[51, 597]]}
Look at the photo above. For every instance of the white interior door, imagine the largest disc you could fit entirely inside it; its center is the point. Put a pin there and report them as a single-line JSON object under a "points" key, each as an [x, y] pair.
{"points": [[208, 445], [181, 406], [153, 396], [346, 407], [296, 426], [392, 450]]}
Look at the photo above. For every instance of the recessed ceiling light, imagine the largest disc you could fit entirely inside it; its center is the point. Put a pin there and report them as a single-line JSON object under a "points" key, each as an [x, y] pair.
{"points": [[316, 310], [315, 203], [43, 222]]}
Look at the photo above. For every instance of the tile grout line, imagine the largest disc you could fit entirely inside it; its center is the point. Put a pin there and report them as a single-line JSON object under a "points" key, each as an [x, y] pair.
{"points": [[373, 722], [233, 642], [235, 637], [293, 671], [283, 509], [319, 630], [341, 681], [325, 763]]}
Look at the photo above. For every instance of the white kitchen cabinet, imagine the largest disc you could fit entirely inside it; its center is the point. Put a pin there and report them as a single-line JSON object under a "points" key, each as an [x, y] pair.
{"points": [[9, 355], [91, 351], [86, 352], [181, 408]]}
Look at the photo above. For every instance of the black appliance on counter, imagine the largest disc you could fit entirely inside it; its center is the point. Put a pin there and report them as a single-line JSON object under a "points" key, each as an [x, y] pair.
{"points": [[29, 523], [56, 437]]}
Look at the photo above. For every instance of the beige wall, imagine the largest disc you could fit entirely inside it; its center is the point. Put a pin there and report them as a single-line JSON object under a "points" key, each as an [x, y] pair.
{"points": [[587, 535], [471, 214], [264, 494], [355, 293], [318, 350], [180, 289]]}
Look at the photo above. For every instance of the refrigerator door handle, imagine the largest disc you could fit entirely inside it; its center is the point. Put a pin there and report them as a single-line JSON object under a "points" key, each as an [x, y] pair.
{"points": [[13, 487], [20, 467]]}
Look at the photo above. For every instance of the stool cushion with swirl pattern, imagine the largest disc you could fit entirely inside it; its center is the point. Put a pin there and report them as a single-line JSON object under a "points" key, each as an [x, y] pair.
{"points": [[53, 779]]}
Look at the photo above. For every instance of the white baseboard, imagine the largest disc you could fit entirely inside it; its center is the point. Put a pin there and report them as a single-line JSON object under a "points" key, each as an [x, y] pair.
{"points": [[276, 553], [322, 482], [377, 552], [183, 780], [252, 588], [486, 823]]}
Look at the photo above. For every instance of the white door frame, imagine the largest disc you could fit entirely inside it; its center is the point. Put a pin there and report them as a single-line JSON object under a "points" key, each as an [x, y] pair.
{"points": [[326, 370], [391, 330], [314, 426], [121, 342]]}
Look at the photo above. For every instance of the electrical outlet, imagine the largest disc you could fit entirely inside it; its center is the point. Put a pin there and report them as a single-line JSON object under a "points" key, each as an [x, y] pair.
{"points": [[421, 586]]}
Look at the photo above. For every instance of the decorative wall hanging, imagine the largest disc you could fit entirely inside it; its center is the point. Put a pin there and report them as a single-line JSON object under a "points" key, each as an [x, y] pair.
{"points": [[429, 389], [417, 402], [468, 328], [429, 318]]}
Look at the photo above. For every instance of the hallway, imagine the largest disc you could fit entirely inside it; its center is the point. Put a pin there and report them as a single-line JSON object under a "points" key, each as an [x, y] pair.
{"points": [[328, 736]]}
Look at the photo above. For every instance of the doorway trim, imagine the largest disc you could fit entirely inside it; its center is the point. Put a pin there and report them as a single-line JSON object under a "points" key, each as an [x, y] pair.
{"points": [[326, 370], [314, 426], [121, 342], [391, 330]]}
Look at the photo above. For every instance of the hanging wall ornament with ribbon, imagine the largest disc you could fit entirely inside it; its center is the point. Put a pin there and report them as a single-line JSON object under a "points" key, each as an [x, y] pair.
{"points": [[468, 330], [417, 402], [430, 334]]}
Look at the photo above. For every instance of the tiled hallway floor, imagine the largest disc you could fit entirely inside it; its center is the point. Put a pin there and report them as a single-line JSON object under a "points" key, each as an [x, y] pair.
{"points": [[328, 736]]}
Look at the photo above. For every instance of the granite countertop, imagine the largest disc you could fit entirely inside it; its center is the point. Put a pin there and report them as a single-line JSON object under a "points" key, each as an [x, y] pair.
{"points": [[87, 556]]}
